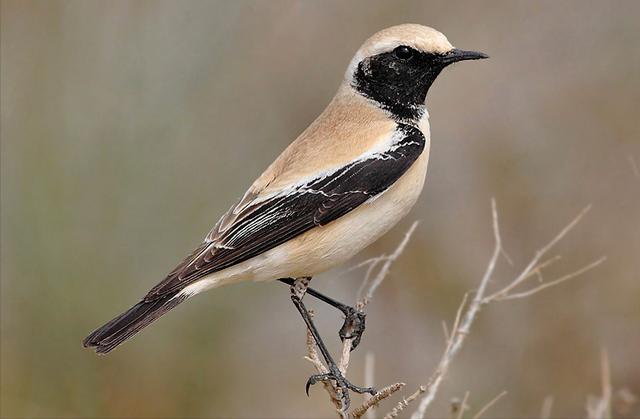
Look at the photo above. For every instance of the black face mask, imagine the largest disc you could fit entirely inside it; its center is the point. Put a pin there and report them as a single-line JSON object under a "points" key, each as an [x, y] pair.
{"points": [[400, 79]]}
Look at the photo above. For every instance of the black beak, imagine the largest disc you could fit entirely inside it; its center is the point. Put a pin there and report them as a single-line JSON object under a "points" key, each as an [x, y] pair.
{"points": [[456, 55]]}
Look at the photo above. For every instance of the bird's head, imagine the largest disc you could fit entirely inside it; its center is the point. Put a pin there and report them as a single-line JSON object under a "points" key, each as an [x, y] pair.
{"points": [[396, 66]]}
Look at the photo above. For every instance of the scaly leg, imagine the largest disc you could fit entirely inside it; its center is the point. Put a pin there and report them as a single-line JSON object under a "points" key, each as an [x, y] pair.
{"points": [[298, 290], [354, 320]]}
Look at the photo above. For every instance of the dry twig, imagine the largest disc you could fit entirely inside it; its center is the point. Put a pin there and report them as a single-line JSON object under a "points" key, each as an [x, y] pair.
{"points": [[547, 405], [369, 368], [365, 295], [369, 285], [467, 314], [374, 400], [634, 167], [404, 403], [600, 407], [458, 407], [488, 405]]}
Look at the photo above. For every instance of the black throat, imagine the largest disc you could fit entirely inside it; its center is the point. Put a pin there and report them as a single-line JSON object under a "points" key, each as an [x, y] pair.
{"points": [[399, 86]]}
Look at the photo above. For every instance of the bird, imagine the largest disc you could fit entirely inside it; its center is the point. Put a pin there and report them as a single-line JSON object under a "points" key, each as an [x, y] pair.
{"points": [[347, 179]]}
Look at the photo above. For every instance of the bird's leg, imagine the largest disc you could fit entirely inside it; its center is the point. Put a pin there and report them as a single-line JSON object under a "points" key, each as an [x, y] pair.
{"points": [[354, 320], [298, 290]]}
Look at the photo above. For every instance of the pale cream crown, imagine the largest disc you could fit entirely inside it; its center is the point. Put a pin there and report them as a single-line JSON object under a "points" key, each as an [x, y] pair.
{"points": [[422, 38]]}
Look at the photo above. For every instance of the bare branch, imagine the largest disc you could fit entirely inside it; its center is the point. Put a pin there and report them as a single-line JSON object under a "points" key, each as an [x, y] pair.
{"points": [[466, 315], [534, 264], [460, 407], [369, 368], [364, 298], [552, 283], [445, 330], [313, 353], [538, 269], [488, 405], [634, 167], [374, 400], [461, 329], [371, 285], [404, 403], [600, 407], [547, 405]]}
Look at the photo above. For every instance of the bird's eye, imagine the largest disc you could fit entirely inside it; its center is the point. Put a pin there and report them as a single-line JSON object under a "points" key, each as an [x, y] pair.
{"points": [[403, 52]]}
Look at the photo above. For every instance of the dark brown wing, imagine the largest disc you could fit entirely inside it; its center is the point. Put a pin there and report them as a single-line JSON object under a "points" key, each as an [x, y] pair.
{"points": [[274, 221]]}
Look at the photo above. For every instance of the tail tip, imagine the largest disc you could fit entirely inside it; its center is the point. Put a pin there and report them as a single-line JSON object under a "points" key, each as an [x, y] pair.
{"points": [[94, 344], [107, 337]]}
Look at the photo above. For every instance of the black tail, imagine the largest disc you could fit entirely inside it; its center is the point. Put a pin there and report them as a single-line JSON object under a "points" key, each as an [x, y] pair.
{"points": [[112, 334]]}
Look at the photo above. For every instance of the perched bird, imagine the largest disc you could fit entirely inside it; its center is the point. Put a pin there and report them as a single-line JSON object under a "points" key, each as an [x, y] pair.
{"points": [[343, 183]]}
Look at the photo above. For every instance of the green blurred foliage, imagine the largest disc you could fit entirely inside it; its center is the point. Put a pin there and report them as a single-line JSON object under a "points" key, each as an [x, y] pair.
{"points": [[129, 127]]}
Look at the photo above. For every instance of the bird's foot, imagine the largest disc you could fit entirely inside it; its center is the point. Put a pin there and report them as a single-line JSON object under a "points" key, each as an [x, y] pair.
{"points": [[341, 384], [353, 326]]}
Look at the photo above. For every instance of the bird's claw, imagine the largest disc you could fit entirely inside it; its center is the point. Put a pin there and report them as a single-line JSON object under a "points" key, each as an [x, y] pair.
{"points": [[353, 326], [314, 379], [341, 384]]}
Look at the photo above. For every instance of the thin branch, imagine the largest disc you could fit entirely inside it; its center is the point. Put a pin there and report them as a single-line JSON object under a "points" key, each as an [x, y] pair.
{"points": [[445, 330], [365, 298], [538, 269], [456, 322], [534, 264], [488, 405], [460, 332], [371, 285], [369, 370], [600, 407], [462, 406], [374, 400], [312, 353], [552, 283], [547, 405], [345, 356], [405, 402], [364, 263], [634, 167], [467, 314]]}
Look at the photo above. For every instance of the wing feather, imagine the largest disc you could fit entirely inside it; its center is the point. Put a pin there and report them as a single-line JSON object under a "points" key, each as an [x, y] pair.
{"points": [[259, 224]]}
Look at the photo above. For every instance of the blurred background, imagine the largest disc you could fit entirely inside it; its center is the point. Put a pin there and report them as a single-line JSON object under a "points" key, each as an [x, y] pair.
{"points": [[128, 128]]}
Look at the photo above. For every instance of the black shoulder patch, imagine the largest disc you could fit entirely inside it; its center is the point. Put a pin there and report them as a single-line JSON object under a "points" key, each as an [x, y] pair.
{"points": [[285, 216]]}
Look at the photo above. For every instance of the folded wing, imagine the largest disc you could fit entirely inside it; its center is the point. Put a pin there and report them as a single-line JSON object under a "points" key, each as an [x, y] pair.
{"points": [[262, 223]]}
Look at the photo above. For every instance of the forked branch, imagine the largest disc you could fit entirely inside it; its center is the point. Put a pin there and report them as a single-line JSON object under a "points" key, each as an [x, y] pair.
{"points": [[465, 316], [365, 295]]}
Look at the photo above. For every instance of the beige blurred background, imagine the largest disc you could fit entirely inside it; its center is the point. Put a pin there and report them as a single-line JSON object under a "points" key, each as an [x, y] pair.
{"points": [[128, 128]]}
